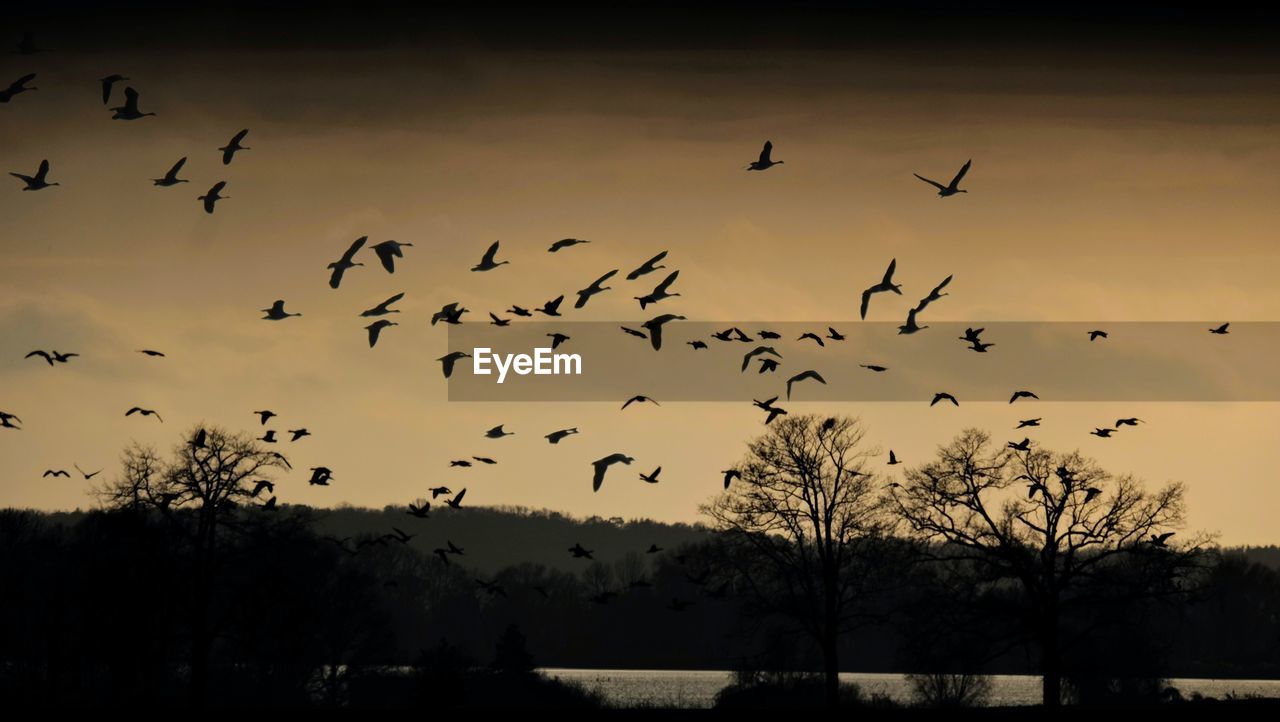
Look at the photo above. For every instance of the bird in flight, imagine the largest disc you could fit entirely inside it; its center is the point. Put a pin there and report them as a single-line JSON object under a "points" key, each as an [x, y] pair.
{"points": [[1024, 445], [52, 356], [171, 178], [552, 307], [835, 335], [320, 476], [420, 511], [7, 419], [767, 365], [383, 308], [144, 412], [262, 485], [499, 321], [449, 313], [660, 291], [448, 360], [1132, 421], [1022, 395], [600, 466], [277, 312], [389, 251], [944, 396], [765, 161], [265, 416], [556, 436], [885, 284], [456, 501], [129, 111], [16, 87], [341, 265], [36, 182], [651, 478], [873, 367], [639, 400], [580, 552], [1027, 422], [231, 148], [107, 84], [86, 474], [565, 243], [53, 472], [632, 332], [269, 437], [768, 407], [893, 459], [647, 267], [758, 350], [517, 310], [816, 338], [1096, 334], [654, 326], [951, 188], [487, 263], [557, 339], [697, 345], [1160, 539], [802, 376], [497, 432], [730, 475], [212, 196], [597, 286], [1103, 433], [375, 330], [1220, 330]]}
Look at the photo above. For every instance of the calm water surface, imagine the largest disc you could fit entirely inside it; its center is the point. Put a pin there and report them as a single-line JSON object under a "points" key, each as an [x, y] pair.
{"points": [[698, 688]]}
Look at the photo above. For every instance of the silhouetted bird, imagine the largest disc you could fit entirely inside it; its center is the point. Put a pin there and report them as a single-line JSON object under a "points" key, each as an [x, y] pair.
{"points": [[1028, 422], [86, 474], [639, 400], [633, 332], [456, 501], [552, 307], [893, 459], [320, 476], [557, 339], [652, 478], [277, 312], [802, 376], [484, 460], [171, 178], [520, 311], [52, 472], [144, 412], [399, 535], [449, 313], [579, 552], [388, 252], [653, 549], [129, 111], [486, 262], [873, 367], [835, 335], [951, 188], [233, 146], [438, 490], [460, 462], [767, 365], [647, 267], [17, 87], [383, 308], [269, 437], [375, 330], [697, 345], [298, 434], [36, 182], [810, 335], [660, 291], [107, 84], [341, 265], [730, 475], [1220, 330], [1131, 421], [765, 161], [265, 416], [565, 243], [943, 396], [1097, 334], [555, 436], [1022, 395], [885, 284], [597, 286], [497, 432], [911, 326], [1024, 445], [1090, 493], [600, 466], [7, 419], [212, 196], [262, 485], [281, 458], [1103, 433], [768, 407], [52, 356], [499, 321], [654, 327], [972, 335], [1160, 539], [448, 360]]}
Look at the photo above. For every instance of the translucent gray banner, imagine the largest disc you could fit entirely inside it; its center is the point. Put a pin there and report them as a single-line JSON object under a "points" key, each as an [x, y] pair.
{"points": [[1057, 361]]}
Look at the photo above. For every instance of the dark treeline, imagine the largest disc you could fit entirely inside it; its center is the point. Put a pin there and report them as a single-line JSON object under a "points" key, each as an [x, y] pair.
{"points": [[98, 607]]}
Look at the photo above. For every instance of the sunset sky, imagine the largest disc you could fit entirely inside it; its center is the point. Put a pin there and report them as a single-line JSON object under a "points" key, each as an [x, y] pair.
{"points": [[1124, 170]]}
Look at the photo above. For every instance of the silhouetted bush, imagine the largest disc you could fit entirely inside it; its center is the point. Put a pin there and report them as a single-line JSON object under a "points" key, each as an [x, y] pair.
{"points": [[950, 689]]}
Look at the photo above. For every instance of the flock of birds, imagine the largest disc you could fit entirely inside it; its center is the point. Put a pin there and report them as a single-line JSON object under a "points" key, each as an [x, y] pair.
{"points": [[652, 330]]}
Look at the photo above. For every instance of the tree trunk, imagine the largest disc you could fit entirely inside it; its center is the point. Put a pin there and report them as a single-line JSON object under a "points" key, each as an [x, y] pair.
{"points": [[1050, 658], [831, 644]]}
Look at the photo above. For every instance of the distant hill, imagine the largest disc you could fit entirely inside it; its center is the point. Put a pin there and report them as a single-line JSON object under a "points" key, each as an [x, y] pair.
{"points": [[497, 537], [1268, 556]]}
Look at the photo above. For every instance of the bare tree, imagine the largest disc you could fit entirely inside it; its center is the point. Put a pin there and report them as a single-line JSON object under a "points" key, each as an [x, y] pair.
{"points": [[207, 476], [805, 529], [1056, 525]]}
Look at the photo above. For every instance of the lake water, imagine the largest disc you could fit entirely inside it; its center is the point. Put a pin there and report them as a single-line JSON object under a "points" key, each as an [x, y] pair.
{"points": [[698, 688]]}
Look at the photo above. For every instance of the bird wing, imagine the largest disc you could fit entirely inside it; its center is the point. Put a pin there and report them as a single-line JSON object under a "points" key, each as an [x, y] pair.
{"points": [[487, 259], [355, 247], [666, 283], [963, 169], [888, 274], [933, 183], [173, 172], [335, 278], [106, 89], [131, 100], [598, 478], [766, 151], [43, 354], [44, 169], [393, 299], [239, 137], [655, 336], [374, 329]]}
